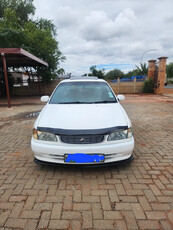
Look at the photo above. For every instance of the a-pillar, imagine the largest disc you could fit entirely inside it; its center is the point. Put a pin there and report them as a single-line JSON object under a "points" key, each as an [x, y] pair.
{"points": [[151, 69], [161, 76]]}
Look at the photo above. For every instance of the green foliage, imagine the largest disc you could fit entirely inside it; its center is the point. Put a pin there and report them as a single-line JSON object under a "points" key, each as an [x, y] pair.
{"points": [[131, 73], [96, 73], [23, 9], [114, 74], [61, 71], [148, 86], [169, 70], [37, 37], [142, 69]]}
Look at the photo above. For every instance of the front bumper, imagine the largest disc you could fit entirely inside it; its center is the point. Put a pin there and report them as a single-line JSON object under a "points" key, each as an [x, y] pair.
{"points": [[113, 151], [84, 165]]}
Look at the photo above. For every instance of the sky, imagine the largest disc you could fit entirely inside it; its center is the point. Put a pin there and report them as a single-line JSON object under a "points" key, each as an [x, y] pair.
{"points": [[110, 33]]}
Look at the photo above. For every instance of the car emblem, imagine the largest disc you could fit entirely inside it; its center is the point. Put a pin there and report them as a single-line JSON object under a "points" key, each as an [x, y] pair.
{"points": [[82, 139]]}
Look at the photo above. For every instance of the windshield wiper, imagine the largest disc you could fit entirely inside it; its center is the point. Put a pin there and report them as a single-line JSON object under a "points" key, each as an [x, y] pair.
{"points": [[82, 102], [99, 102], [73, 102]]}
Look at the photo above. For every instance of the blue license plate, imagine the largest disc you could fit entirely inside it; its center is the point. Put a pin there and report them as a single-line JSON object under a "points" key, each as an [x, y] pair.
{"points": [[84, 158]]}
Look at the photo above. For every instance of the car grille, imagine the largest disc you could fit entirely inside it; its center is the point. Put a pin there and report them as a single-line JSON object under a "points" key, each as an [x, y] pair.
{"points": [[79, 139]]}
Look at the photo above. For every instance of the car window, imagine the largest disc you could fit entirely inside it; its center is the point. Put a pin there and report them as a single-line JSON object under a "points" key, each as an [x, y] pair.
{"points": [[82, 92]]}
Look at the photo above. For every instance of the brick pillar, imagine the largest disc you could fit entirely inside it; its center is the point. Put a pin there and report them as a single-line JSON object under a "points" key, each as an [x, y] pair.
{"points": [[161, 75], [151, 69]]}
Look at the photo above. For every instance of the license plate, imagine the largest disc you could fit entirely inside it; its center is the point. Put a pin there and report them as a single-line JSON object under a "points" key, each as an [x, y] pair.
{"points": [[84, 158]]}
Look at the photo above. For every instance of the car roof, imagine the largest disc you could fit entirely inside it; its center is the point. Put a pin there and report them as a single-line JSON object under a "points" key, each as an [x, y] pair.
{"points": [[83, 79]]}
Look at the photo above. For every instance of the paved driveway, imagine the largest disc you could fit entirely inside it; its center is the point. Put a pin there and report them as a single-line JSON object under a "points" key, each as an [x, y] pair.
{"points": [[138, 195]]}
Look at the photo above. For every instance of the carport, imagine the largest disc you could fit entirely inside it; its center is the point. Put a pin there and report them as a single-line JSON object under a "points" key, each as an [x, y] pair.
{"points": [[16, 58]]}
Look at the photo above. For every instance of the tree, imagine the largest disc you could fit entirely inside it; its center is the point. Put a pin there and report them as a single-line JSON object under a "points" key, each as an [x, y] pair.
{"points": [[17, 29], [131, 73], [61, 71], [114, 74], [96, 73], [148, 86], [169, 70], [142, 69], [23, 9]]}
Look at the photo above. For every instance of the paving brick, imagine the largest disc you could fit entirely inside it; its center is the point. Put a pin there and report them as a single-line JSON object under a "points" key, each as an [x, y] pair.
{"points": [[90, 199], [120, 189], [31, 224], [105, 203], [97, 211], [15, 213], [128, 199], [166, 225], [104, 224], [138, 212], [155, 190], [17, 198], [111, 215], [82, 206], [99, 192], [42, 206], [6, 205], [113, 196], [170, 217], [30, 214], [120, 225], [130, 220], [67, 203], [16, 223], [59, 224], [129, 196], [150, 196], [3, 217], [123, 206], [87, 219], [75, 225], [149, 224], [77, 196], [160, 207], [53, 199], [56, 211], [144, 203], [155, 215], [71, 215], [29, 203], [43, 223]]}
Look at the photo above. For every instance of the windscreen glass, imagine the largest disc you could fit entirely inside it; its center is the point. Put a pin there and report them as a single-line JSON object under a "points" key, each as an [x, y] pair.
{"points": [[82, 92]]}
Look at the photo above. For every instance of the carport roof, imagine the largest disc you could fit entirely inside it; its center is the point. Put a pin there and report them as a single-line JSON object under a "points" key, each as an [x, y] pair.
{"points": [[17, 57]]}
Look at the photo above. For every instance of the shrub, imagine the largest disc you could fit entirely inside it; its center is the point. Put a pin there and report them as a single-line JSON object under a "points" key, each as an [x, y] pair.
{"points": [[148, 86]]}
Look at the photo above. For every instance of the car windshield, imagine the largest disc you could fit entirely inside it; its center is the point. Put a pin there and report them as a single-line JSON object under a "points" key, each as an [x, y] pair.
{"points": [[82, 93]]}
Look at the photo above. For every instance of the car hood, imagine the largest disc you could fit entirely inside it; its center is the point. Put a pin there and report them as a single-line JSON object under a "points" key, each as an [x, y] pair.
{"points": [[82, 116]]}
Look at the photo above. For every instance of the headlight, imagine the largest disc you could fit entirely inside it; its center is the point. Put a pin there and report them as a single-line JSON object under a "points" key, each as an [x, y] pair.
{"points": [[43, 136], [120, 134]]}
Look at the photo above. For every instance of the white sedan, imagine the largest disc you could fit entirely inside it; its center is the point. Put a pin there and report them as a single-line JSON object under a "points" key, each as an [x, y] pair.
{"points": [[82, 123]]}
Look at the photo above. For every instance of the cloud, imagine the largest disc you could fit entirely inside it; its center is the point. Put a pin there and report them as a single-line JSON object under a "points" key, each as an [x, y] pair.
{"points": [[98, 26], [109, 33], [66, 17]]}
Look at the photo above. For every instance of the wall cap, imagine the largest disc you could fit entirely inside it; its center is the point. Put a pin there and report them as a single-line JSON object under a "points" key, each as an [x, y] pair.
{"points": [[152, 60], [162, 58]]}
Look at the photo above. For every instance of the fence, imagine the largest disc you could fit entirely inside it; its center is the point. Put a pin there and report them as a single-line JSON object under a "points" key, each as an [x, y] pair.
{"points": [[33, 88], [132, 86]]}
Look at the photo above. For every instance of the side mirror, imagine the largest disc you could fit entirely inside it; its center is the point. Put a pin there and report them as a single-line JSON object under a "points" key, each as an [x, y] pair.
{"points": [[44, 98], [121, 97]]}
